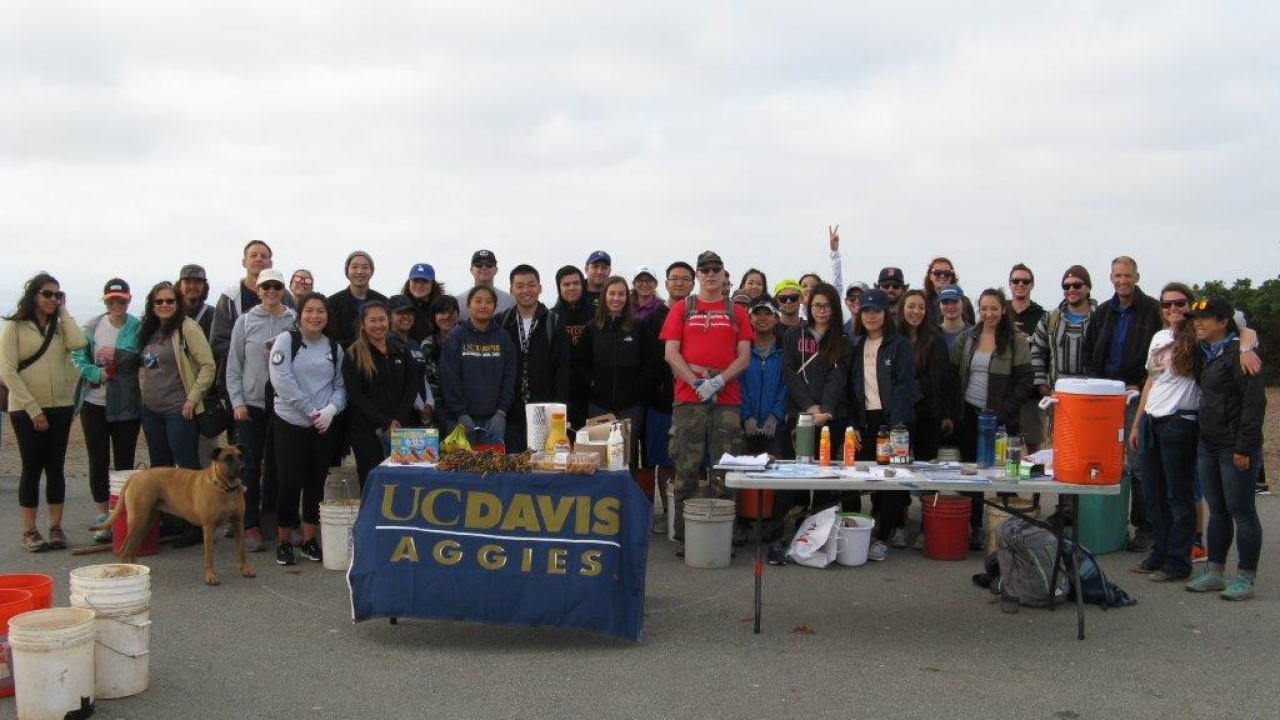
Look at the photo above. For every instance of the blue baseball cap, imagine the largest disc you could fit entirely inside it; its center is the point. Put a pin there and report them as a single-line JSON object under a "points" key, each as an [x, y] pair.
{"points": [[599, 256], [950, 292], [874, 299], [422, 271]]}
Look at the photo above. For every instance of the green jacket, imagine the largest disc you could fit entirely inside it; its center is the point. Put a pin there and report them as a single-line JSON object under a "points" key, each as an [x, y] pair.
{"points": [[1008, 381], [124, 397]]}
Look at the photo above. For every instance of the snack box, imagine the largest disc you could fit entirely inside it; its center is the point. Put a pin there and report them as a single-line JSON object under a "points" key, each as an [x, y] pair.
{"points": [[413, 446], [577, 463]]}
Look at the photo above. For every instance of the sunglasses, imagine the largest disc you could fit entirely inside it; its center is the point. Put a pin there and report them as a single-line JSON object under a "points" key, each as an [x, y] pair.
{"points": [[788, 298], [164, 301], [711, 269], [942, 273], [1166, 304], [273, 286], [484, 265], [1072, 286], [302, 280], [52, 294], [891, 286], [1020, 281], [645, 280]]}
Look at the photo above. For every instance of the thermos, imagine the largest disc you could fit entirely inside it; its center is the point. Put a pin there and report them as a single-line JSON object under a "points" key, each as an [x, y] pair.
{"points": [[803, 438]]}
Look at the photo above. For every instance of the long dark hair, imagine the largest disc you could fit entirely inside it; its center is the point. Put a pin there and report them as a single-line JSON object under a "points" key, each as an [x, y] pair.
{"points": [[360, 350], [437, 289], [26, 309], [920, 336], [1005, 329], [931, 295], [1186, 354], [151, 323], [602, 309], [831, 346]]}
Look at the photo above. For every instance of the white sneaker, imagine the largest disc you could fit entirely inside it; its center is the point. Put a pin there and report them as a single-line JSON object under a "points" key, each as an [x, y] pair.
{"points": [[103, 535], [879, 551], [899, 538], [919, 545]]}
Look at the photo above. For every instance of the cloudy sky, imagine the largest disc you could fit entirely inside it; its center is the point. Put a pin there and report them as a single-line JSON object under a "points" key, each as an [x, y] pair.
{"points": [[136, 137]]}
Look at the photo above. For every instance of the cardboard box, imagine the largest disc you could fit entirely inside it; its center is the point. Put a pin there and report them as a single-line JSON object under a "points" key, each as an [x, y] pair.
{"points": [[414, 446], [598, 429]]}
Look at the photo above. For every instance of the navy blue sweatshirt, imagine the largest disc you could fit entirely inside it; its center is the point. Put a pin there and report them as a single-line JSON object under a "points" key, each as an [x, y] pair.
{"points": [[477, 371]]}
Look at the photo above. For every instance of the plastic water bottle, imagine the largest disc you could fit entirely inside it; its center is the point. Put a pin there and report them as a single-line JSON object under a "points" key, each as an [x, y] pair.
{"points": [[1013, 457], [900, 439], [986, 439], [1001, 442]]}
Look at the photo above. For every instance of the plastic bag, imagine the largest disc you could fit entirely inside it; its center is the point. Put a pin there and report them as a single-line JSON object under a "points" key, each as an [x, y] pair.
{"points": [[815, 544], [456, 440]]}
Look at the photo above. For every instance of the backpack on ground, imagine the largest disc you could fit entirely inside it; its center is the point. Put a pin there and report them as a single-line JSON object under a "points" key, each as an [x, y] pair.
{"points": [[1026, 553], [1094, 585]]}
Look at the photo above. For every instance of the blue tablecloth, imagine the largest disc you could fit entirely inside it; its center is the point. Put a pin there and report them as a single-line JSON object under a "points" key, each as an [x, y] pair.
{"points": [[515, 549]]}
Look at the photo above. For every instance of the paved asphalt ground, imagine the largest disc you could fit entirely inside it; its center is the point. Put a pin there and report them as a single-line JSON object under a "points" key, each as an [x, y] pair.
{"points": [[906, 638]]}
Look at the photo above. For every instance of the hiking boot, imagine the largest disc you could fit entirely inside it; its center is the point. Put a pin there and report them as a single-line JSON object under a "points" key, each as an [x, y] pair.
{"points": [[899, 538], [1140, 542], [104, 535], [284, 554], [878, 551], [310, 550], [1143, 568], [1198, 553], [1262, 489], [57, 538], [253, 541], [1240, 589], [33, 541], [777, 553], [1207, 581], [1165, 576]]}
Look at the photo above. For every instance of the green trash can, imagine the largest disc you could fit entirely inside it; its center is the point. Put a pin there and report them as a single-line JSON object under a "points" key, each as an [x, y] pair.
{"points": [[1103, 525]]}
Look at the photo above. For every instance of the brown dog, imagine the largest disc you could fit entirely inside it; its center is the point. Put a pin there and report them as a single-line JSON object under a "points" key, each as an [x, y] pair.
{"points": [[205, 497]]}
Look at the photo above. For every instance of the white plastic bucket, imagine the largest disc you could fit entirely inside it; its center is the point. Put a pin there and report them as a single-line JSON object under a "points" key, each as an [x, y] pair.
{"points": [[52, 661], [120, 596], [854, 539], [336, 520], [708, 532]]}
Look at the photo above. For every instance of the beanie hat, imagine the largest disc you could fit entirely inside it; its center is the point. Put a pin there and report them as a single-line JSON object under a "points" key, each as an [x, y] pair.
{"points": [[1078, 271], [352, 256]]}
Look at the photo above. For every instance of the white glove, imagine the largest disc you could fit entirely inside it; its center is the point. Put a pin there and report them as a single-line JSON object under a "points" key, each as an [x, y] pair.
{"points": [[770, 427], [751, 427], [708, 388], [323, 418]]}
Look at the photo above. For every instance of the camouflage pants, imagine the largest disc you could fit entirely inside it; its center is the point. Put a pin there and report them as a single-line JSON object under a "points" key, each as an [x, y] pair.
{"points": [[695, 430]]}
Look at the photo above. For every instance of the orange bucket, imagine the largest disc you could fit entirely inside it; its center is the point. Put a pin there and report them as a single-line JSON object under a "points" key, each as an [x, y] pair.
{"points": [[747, 504], [946, 526], [40, 587], [12, 602], [1088, 431]]}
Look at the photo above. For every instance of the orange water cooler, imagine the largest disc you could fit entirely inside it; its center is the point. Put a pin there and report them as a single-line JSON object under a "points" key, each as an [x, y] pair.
{"points": [[1088, 430]]}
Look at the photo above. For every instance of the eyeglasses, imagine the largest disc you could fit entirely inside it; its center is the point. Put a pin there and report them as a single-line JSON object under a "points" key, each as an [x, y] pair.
{"points": [[645, 280], [679, 279], [942, 273], [164, 301], [1072, 286], [273, 286], [711, 269], [788, 298], [1166, 304], [1020, 281], [891, 286], [52, 294]]}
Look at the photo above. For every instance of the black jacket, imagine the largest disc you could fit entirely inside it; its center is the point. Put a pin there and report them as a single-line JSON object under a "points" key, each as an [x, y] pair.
{"points": [[895, 378], [810, 379], [1232, 404], [344, 314], [547, 361], [658, 384], [1133, 358], [936, 383], [617, 357], [573, 323], [388, 395]]}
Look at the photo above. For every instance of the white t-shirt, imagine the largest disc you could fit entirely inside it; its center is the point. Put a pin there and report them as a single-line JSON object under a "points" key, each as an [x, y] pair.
{"points": [[1170, 392], [104, 351], [870, 380]]}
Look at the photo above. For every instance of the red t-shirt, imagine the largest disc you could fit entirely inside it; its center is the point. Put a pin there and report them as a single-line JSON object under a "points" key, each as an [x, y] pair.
{"points": [[707, 340]]}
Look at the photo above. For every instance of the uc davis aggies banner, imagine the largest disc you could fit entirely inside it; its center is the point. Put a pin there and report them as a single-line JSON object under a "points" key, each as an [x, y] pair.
{"points": [[549, 550]]}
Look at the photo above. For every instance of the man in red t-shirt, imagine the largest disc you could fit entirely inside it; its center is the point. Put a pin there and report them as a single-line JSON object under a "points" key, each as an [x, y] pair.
{"points": [[707, 348]]}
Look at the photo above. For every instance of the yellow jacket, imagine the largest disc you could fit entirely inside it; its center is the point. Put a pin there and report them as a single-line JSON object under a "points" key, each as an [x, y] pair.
{"points": [[195, 362], [49, 381]]}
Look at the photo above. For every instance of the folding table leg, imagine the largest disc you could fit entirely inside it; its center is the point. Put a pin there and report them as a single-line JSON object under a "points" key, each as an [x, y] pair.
{"points": [[1058, 534], [1075, 567], [759, 560]]}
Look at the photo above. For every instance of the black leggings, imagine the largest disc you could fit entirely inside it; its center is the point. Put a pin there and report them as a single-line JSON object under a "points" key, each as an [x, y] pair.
{"points": [[42, 453], [104, 441], [967, 440], [367, 447], [302, 464]]}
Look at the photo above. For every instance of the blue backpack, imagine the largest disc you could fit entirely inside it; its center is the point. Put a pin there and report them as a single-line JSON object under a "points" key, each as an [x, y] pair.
{"points": [[1096, 589]]}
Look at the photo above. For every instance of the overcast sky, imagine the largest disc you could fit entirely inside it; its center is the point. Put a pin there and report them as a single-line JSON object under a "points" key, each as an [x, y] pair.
{"points": [[136, 137]]}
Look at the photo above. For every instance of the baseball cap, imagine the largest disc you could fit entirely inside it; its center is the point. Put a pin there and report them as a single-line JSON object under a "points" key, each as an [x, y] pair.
{"points": [[709, 257], [950, 292], [116, 288], [191, 272], [645, 270], [874, 299], [400, 303], [855, 288], [423, 271], [600, 256], [764, 304], [484, 256], [891, 274], [270, 275], [1215, 307]]}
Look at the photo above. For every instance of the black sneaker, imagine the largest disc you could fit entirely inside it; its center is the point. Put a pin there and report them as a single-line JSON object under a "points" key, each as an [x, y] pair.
{"points": [[1140, 542], [777, 553], [1262, 489], [310, 550], [284, 554]]}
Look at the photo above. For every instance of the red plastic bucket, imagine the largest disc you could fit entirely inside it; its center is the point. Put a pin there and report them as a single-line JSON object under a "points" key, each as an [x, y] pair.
{"points": [[40, 587], [12, 602], [946, 527], [747, 504], [150, 544]]}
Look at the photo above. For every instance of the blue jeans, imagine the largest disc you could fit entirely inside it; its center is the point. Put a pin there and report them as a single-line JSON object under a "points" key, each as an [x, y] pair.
{"points": [[1230, 495], [1166, 457], [171, 439]]}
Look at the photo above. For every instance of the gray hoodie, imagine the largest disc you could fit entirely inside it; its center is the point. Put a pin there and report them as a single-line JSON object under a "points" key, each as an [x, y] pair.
{"points": [[247, 373], [308, 381]]}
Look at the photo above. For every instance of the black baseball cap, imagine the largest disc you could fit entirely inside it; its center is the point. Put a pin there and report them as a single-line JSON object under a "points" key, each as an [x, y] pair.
{"points": [[191, 272], [400, 303], [483, 256], [116, 288], [891, 275], [1216, 307], [709, 257]]}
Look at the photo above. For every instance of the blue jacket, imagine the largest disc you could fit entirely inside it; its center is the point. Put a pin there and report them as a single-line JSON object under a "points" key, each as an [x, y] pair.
{"points": [[763, 391], [124, 396], [477, 371]]}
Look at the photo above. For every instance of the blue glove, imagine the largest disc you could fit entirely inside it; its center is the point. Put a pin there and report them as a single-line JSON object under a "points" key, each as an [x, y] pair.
{"points": [[707, 389], [467, 423], [497, 426]]}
